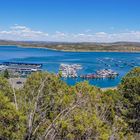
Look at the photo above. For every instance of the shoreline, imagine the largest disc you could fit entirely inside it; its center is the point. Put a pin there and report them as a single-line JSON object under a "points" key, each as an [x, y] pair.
{"points": [[109, 88], [75, 51], [13, 82]]}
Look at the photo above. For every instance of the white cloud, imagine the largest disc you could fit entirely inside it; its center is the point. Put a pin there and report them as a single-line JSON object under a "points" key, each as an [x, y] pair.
{"points": [[81, 34], [18, 32], [5, 32], [59, 34], [17, 27], [101, 33]]}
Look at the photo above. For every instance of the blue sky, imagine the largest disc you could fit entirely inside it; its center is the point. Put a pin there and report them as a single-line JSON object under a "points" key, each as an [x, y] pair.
{"points": [[70, 20]]}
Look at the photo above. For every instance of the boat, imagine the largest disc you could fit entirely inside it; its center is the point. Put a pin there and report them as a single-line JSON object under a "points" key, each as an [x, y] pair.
{"points": [[101, 74], [69, 70]]}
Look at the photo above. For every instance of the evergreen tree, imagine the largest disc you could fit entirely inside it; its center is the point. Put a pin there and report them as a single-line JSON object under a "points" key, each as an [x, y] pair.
{"points": [[130, 90], [6, 74], [11, 120], [49, 109]]}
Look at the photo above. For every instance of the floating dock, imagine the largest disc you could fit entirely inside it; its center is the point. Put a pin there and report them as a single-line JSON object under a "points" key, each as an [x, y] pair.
{"points": [[69, 70], [101, 74]]}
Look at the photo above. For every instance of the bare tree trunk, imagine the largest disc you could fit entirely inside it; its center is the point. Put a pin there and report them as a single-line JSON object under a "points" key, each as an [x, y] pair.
{"points": [[15, 98], [32, 114], [64, 113]]}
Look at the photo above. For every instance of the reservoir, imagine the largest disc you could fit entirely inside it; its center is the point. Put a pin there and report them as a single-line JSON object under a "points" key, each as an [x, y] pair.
{"points": [[90, 61]]}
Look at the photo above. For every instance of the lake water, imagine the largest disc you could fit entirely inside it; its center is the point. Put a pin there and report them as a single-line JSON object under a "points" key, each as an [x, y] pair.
{"points": [[90, 61]]}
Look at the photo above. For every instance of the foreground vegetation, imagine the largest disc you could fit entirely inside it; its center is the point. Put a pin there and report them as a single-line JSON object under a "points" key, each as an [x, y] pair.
{"points": [[48, 109], [79, 47]]}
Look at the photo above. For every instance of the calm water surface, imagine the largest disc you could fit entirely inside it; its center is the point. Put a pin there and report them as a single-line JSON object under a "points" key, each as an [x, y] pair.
{"points": [[90, 61]]}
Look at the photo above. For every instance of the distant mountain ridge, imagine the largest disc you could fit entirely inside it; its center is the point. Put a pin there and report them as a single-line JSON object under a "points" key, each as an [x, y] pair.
{"points": [[78, 46]]}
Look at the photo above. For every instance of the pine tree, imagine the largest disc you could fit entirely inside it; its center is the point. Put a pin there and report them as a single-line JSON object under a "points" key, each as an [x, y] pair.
{"points": [[6, 74]]}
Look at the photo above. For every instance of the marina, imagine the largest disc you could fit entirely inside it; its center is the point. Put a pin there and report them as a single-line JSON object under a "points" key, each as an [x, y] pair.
{"points": [[70, 71], [20, 69], [100, 74], [76, 66]]}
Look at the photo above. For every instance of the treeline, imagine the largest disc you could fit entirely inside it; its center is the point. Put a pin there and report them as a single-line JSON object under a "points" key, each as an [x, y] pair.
{"points": [[48, 109]]}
